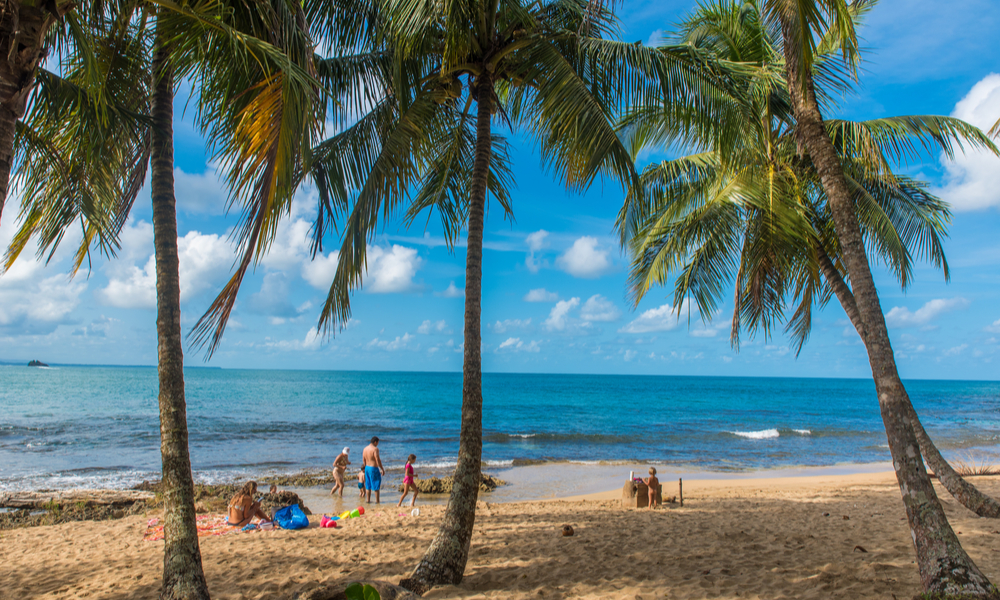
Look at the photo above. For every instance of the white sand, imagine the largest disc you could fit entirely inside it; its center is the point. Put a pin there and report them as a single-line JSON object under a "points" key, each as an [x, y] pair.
{"points": [[735, 538]]}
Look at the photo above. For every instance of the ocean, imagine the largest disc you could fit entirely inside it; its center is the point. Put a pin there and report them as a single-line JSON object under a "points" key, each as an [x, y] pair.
{"points": [[65, 427]]}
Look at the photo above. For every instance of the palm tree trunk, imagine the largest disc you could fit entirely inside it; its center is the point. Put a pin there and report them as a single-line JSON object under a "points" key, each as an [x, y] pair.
{"points": [[967, 494], [22, 34], [444, 562], [183, 577], [944, 566]]}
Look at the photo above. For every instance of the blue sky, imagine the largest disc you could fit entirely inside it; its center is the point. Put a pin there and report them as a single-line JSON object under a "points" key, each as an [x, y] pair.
{"points": [[554, 280]]}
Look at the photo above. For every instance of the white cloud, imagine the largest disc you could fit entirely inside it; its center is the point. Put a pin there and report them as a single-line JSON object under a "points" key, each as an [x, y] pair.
{"points": [[516, 345], [290, 246], [599, 308], [955, 351], [540, 295], [972, 180], [453, 292], [429, 326], [559, 314], [995, 327], [319, 271], [199, 193], [205, 261], [704, 333], [535, 242], [399, 343], [391, 270], [507, 324], [663, 318], [48, 299], [585, 259], [629, 355], [656, 38], [900, 316]]}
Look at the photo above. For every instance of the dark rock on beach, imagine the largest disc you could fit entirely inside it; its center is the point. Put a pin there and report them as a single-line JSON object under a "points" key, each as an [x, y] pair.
{"points": [[215, 498], [443, 485], [54, 514]]}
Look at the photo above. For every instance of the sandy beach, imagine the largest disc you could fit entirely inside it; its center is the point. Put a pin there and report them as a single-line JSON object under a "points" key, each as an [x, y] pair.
{"points": [[763, 537]]}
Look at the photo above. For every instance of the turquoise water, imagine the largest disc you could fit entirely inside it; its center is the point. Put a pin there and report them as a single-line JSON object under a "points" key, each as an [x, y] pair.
{"points": [[98, 426]]}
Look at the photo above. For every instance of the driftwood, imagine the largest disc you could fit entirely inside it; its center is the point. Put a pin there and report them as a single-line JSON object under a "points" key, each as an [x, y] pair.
{"points": [[386, 590], [98, 497]]}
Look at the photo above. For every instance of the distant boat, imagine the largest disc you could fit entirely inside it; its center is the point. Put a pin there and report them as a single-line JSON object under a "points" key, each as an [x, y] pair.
{"points": [[37, 363]]}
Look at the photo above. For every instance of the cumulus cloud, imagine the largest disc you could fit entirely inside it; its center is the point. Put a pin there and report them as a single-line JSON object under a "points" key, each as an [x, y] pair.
{"points": [[995, 327], [535, 242], [516, 345], [508, 324], [599, 308], [452, 292], [972, 180], [391, 270], [663, 318], [34, 299], [205, 261], [900, 316], [429, 326], [559, 315], [541, 295], [585, 259], [319, 271]]}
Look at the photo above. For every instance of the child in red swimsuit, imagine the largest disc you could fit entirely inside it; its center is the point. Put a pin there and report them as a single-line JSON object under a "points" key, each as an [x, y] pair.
{"points": [[408, 481]]}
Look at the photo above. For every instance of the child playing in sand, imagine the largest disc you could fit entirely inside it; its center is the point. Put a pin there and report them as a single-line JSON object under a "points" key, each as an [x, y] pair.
{"points": [[361, 481], [408, 481], [654, 486]]}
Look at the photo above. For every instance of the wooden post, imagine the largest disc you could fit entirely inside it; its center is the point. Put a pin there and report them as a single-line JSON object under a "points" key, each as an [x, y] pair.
{"points": [[680, 490]]}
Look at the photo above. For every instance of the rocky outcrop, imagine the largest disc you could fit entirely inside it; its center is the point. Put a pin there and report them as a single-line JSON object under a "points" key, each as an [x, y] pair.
{"points": [[37, 363]]}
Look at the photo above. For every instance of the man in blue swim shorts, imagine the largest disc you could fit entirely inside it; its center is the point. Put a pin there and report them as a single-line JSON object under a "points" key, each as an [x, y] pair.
{"points": [[373, 471]]}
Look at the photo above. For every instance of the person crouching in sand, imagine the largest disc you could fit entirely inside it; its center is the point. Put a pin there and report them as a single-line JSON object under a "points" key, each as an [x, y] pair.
{"points": [[243, 508], [654, 485], [409, 483]]}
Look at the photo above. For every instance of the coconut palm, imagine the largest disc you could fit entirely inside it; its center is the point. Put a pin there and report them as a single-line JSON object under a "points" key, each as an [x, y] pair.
{"points": [[427, 83], [24, 35], [84, 156], [760, 214]]}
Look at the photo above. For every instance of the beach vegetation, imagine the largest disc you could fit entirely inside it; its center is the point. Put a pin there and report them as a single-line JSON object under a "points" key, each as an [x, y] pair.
{"points": [[93, 132], [969, 464], [357, 591], [789, 210], [425, 87]]}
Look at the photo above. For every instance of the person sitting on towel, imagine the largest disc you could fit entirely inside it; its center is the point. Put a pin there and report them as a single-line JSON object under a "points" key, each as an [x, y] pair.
{"points": [[243, 508]]}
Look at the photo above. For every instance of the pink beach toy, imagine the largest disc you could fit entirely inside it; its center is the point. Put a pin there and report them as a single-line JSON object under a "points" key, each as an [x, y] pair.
{"points": [[328, 523]]}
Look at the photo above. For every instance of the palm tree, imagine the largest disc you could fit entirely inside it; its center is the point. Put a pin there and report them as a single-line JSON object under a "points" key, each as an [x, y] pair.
{"points": [[944, 567], [24, 32], [408, 75], [760, 209], [93, 176]]}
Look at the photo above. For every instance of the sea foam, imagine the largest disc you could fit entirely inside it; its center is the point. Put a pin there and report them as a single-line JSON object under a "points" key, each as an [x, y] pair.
{"points": [[763, 434]]}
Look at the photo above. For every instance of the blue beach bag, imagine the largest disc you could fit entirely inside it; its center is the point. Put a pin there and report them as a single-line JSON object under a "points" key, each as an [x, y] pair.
{"points": [[291, 517]]}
